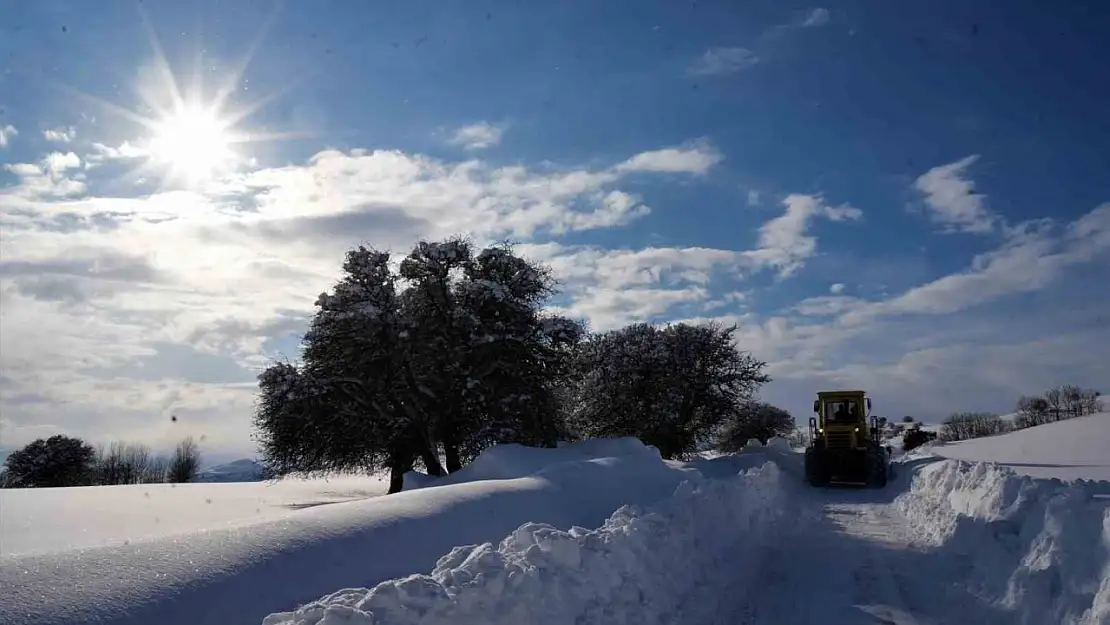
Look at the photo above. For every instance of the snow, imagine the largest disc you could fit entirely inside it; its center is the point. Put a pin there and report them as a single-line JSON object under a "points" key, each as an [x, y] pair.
{"points": [[605, 531], [642, 565], [1039, 548], [51, 520], [1072, 449], [236, 565]]}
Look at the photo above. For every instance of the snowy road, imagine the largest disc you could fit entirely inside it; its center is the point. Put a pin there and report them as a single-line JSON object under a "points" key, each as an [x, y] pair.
{"points": [[855, 561], [841, 567]]}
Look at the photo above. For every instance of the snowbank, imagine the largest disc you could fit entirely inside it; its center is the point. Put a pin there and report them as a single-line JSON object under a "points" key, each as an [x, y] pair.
{"points": [[638, 567], [1040, 549], [1076, 448], [239, 574]]}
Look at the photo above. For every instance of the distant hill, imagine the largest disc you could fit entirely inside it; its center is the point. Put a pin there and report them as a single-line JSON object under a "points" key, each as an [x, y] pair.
{"points": [[245, 470]]}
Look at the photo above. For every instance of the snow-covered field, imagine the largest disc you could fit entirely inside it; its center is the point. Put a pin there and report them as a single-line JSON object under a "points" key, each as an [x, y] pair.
{"points": [[47, 520], [1067, 450], [601, 532]]}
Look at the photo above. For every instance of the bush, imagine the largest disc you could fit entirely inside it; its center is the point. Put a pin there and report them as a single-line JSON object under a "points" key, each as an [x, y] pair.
{"points": [[755, 420], [185, 463], [916, 437]]}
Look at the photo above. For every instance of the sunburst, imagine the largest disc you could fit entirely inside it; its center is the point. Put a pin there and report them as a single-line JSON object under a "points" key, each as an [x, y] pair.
{"points": [[192, 139]]}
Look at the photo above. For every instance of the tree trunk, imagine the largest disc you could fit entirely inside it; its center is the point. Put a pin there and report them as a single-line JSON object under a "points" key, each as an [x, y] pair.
{"points": [[431, 460], [451, 455], [420, 420], [400, 462]]}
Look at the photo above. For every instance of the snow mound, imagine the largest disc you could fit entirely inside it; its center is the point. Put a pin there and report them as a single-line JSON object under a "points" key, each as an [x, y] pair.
{"points": [[1070, 449], [232, 575], [1040, 549], [638, 567], [727, 466], [780, 443], [510, 461]]}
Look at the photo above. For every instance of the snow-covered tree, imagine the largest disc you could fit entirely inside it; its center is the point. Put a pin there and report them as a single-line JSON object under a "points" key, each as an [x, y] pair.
{"points": [[51, 462], [758, 420], [671, 387], [451, 351]]}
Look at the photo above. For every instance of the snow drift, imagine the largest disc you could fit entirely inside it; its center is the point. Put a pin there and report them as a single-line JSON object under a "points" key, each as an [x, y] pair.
{"points": [[240, 574], [638, 567], [1038, 549]]}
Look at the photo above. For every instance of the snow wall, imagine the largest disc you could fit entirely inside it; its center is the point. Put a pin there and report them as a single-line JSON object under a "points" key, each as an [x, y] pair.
{"points": [[1039, 549]]}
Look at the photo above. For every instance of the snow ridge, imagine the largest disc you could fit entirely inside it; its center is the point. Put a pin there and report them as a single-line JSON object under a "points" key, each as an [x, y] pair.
{"points": [[636, 568], [1040, 548]]}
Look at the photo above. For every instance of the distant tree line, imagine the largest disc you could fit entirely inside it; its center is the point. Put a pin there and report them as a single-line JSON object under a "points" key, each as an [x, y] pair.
{"points": [[428, 361], [1056, 404], [68, 461]]}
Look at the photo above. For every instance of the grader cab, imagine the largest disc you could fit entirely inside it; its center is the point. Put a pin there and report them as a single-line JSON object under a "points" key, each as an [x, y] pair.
{"points": [[845, 447]]}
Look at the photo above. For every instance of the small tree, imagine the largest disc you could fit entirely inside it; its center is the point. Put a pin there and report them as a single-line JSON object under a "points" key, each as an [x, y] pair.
{"points": [[1031, 411], [757, 420], [158, 471], [52, 462], [907, 419], [185, 462]]}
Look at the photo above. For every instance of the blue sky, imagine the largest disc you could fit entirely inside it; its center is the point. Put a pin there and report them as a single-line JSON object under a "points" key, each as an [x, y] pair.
{"points": [[911, 198]]}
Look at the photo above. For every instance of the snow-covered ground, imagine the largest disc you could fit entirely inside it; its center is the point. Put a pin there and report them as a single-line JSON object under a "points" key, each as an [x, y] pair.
{"points": [[51, 520], [607, 532], [1067, 450]]}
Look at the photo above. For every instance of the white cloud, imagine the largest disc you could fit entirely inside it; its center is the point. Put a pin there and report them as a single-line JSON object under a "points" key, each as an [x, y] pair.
{"points": [[753, 198], [827, 305], [950, 196], [57, 162], [679, 276], [836, 288], [124, 151], [44, 180], [785, 242], [478, 136], [121, 311], [697, 158], [6, 134], [815, 18], [123, 308], [722, 61], [60, 135]]}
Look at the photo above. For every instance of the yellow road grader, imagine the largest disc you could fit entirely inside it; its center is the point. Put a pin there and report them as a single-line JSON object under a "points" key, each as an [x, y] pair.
{"points": [[845, 447]]}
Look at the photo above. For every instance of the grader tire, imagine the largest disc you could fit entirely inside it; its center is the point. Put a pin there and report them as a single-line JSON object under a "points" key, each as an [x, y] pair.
{"points": [[816, 468]]}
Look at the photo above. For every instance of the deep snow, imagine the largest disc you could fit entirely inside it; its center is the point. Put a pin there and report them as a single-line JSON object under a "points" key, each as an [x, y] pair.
{"points": [[735, 538]]}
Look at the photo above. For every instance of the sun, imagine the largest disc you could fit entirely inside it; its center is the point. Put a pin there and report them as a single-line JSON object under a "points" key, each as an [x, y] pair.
{"points": [[193, 142]]}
